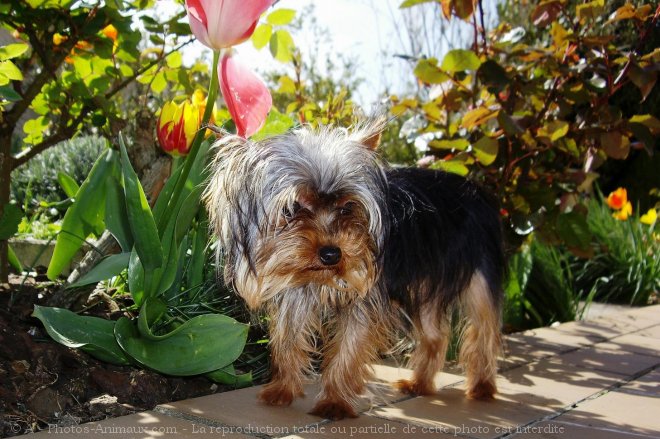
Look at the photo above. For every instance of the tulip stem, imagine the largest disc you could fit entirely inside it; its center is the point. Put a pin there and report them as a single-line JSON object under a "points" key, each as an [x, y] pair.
{"points": [[197, 142]]}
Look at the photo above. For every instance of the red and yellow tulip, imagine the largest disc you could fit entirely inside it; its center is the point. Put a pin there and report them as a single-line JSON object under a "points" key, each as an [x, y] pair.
{"points": [[178, 124]]}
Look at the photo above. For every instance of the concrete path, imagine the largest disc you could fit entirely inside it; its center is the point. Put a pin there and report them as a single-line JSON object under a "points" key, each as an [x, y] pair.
{"points": [[592, 379]]}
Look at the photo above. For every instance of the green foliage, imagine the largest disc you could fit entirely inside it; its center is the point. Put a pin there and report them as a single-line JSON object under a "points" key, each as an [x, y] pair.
{"points": [[85, 216], [164, 255], [537, 118], [9, 225], [626, 263], [541, 289], [309, 91], [39, 181], [91, 334]]}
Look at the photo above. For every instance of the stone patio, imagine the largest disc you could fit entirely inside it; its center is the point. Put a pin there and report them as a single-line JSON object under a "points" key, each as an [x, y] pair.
{"points": [[592, 379]]}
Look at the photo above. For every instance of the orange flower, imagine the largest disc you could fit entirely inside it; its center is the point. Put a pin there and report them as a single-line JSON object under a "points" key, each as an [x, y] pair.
{"points": [[110, 31], [624, 213], [618, 199]]}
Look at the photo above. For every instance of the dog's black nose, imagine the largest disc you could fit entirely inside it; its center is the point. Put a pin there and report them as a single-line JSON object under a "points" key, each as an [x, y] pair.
{"points": [[329, 255]]}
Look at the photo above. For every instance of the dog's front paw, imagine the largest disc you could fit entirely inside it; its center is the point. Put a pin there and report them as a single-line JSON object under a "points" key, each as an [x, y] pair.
{"points": [[279, 394], [334, 410], [414, 387]]}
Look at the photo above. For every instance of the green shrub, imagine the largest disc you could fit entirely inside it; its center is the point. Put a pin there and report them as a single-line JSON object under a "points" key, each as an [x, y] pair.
{"points": [[36, 181]]}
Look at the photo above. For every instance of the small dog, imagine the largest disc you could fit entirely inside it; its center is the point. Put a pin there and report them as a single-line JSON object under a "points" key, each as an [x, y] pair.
{"points": [[342, 250]]}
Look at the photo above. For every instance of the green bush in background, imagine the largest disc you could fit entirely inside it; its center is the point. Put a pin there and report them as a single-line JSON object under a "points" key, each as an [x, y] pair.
{"points": [[37, 180]]}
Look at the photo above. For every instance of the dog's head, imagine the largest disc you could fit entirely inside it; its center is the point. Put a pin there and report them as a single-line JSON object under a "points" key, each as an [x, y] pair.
{"points": [[299, 209]]}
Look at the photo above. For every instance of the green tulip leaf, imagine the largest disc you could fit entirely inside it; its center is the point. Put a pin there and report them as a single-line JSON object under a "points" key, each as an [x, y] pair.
{"points": [[201, 345], [107, 268], [91, 334], [116, 217], [142, 224], [227, 375], [13, 259], [68, 184], [85, 216]]}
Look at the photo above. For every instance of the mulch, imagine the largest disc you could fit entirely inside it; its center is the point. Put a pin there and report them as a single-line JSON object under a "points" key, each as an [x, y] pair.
{"points": [[43, 383]]}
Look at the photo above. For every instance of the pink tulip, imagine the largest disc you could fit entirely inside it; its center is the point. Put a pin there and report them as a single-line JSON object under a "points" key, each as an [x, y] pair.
{"points": [[223, 23], [247, 97]]}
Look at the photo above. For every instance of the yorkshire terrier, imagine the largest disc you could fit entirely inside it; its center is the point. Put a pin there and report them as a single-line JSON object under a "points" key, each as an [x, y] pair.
{"points": [[341, 250]]}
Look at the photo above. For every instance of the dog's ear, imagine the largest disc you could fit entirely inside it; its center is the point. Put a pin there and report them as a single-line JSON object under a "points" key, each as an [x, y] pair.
{"points": [[372, 142], [369, 131]]}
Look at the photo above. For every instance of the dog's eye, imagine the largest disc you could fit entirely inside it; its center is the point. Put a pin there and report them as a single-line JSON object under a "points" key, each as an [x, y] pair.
{"points": [[347, 208], [289, 213]]}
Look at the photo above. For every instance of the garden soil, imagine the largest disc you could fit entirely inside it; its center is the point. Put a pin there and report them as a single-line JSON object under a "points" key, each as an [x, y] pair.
{"points": [[43, 383]]}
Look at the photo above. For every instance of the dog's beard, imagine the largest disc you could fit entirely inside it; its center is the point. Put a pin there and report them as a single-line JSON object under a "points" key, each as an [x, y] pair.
{"points": [[282, 267]]}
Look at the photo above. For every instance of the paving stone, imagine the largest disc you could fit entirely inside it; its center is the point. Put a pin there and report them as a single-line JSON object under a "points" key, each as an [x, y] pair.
{"points": [[639, 318], [139, 425], [553, 430], [618, 361], [363, 427], [556, 384], [550, 339], [638, 344], [618, 411], [648, 312], [449, 412], [240, 408], [646, 385], [230, 408], [653, 331], [603, 328], [518, 351], [596, 310]]}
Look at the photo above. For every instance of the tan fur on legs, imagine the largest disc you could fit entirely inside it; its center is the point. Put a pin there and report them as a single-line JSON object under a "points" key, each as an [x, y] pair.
{"points": [[294, 321], [432, 331], [480, 341], [351, 349]]}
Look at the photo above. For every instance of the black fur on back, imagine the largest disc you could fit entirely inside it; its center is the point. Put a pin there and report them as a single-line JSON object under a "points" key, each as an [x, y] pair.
{"points": [[442, 228]]}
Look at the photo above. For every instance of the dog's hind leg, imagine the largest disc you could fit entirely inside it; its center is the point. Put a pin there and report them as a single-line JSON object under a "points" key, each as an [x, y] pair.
{"points": [[432, 330], [480, 339]]}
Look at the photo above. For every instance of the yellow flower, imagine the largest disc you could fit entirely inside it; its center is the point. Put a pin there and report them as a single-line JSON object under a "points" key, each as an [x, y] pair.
{"points": [[624, 213], [58, 38], [617, 199], [649, 217]]}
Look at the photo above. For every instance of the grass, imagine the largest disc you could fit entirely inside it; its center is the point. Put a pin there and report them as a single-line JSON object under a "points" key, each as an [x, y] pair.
{"points": [[626, 264]]}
